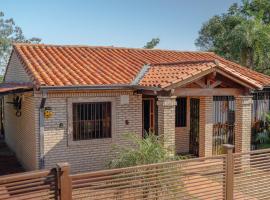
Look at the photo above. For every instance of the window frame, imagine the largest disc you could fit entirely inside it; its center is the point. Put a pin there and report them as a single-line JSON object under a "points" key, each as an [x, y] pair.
{"points": [[90, 125], [177, 118], [70, 103]]}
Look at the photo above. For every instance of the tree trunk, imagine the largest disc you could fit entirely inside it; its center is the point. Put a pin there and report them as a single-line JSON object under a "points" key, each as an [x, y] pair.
{"points": [[247, 57]]}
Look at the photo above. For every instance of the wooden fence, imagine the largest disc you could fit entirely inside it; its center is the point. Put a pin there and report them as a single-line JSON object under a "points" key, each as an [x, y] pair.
{"points": [[228, 176], [30, 185]]}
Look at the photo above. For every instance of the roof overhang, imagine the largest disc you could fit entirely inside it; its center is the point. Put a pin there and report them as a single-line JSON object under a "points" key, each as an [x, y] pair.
{"points": [[217, 69], [14, 88], [98, 87]]}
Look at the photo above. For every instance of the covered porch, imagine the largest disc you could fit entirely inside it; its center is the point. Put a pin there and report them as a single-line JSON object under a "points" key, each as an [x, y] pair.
{"points": [[198, 115]]}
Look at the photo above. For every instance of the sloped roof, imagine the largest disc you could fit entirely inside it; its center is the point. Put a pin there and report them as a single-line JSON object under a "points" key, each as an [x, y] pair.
{"points": [[166, 74], [7, 88], [54, 65]]}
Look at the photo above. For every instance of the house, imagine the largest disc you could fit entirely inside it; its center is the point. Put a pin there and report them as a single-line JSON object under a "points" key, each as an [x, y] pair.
{"points": [[73, 103]]}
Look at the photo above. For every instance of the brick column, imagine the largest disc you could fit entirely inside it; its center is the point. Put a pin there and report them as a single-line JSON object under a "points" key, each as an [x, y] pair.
{"points": [[243, 123], [166, 121], [206, 126]]}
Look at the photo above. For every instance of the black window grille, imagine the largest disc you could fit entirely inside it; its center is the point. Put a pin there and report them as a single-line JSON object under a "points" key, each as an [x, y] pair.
{"points": [[181, 112], [91, 120]]}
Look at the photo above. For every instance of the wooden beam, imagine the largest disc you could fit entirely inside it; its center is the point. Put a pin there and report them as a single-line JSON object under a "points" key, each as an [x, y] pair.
{"points": [[189, 80], [207, 92], [208, 85], [200, 83], [215, 84], [235, 79]]}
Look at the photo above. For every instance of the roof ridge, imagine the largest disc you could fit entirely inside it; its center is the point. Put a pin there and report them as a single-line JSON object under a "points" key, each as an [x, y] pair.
{"points": [[108, 47], [141, 74], [185, 62]]}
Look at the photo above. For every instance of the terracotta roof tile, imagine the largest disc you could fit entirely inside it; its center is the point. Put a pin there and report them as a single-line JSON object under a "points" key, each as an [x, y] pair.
{"points": [[54, 65]]}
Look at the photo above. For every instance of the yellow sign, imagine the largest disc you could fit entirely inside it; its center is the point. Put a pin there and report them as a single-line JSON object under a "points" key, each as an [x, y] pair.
{"points": [[48, 113]]}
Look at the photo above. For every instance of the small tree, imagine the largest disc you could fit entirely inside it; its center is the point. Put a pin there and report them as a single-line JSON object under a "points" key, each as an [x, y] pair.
{"points": [[9, 33], [152, 44]]}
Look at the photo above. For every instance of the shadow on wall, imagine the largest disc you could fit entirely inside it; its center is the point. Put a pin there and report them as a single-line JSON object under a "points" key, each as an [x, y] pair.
{"points": [[88, 155]]}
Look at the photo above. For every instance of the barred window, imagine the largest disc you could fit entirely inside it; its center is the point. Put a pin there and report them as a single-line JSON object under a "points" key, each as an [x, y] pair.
{"points": [[181, 112], [91, 120]]}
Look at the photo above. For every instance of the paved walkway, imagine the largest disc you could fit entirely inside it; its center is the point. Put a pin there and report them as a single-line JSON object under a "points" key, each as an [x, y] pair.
{"points": [[8, 161]]}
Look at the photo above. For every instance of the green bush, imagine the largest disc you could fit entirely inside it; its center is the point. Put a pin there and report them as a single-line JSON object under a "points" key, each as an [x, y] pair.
{"points": [[263, 137], [142, 151]]}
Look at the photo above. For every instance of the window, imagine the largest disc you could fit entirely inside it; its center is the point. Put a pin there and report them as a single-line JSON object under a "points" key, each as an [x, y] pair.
{"points": [[91, 120], [181, 112]]}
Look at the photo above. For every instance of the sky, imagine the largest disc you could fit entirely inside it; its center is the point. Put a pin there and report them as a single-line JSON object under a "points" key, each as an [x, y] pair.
{"points": [[124, 23]]}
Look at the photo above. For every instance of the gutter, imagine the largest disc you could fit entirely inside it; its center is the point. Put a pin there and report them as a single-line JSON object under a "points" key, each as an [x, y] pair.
{"points": [[41, 130], [99, 87]]}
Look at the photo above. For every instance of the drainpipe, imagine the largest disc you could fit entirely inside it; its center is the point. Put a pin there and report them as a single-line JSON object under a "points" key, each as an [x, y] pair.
{"points": [[41, 130]]}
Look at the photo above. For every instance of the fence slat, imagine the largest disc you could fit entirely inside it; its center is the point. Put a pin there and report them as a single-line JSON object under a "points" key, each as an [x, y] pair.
{"points": [[229, 171], [229, 176], [64, 179]]}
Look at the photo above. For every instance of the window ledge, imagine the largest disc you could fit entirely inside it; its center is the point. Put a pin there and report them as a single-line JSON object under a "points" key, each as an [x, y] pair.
{"points": [[89, 142]]}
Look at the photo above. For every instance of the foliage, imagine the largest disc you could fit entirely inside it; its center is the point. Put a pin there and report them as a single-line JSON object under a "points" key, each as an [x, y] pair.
{"points": [[149, 150], [263, 137], [9, 33], [241, 35], [145, 150], [152, 44]]}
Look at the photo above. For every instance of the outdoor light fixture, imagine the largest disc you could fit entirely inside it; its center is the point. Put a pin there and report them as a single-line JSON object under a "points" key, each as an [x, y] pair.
{"points": [[17, 104]]}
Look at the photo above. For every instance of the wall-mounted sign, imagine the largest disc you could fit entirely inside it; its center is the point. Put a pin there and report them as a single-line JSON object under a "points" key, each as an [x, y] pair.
{"points": [[124, 99], [48, 112]]}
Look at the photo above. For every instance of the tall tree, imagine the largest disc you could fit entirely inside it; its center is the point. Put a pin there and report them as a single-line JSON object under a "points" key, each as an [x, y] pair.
{"points": [[242, 34], [152, 44], [10, 33]]}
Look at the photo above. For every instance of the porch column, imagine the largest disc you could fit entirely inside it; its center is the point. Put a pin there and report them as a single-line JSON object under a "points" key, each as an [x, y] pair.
{"points": [[243, 123], [206, 126], [166, 121]]}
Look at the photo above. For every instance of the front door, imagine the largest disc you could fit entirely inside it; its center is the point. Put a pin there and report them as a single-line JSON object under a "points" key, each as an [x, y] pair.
{"points": [[194, 126], [148, 115]]}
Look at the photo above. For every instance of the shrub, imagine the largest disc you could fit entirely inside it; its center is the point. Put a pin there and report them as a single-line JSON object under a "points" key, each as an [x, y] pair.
{"points": [[145, 150]]}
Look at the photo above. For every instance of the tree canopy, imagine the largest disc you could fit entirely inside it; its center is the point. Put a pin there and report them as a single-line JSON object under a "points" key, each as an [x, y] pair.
{"points": [[9, 33], [242, 34], [152, 44]]}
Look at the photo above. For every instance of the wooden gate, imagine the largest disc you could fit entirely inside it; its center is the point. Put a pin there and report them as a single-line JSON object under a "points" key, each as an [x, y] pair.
{"points": [[224, 118], [194, 126]]}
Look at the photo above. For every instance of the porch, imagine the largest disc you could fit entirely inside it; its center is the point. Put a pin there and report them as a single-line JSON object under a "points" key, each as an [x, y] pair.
{"points": [[201, 115]]}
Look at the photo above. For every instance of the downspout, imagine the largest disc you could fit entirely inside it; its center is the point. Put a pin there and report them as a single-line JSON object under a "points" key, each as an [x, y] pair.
{"points": [[41, 130]]}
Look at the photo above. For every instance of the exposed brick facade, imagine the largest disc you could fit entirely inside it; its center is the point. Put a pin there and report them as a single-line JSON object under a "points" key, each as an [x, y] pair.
{"points": [[182, 134], [15, 71], [206, 126], [21, 132], [92, 154], [166, 121], [243, 123]]}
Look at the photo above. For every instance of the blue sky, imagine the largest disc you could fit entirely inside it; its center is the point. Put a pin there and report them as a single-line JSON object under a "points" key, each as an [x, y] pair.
{"points": [[129, 23]]}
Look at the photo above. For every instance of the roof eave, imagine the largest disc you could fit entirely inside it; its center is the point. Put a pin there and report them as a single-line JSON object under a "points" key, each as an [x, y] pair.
{"points": [[99, 87]]}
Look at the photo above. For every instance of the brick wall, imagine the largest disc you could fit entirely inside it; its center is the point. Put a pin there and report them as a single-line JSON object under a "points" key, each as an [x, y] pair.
{"points": [[166, 121], [92, 154], [243, 110], [182, 134], [20, 132], [206, 126], [15, 71]]}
